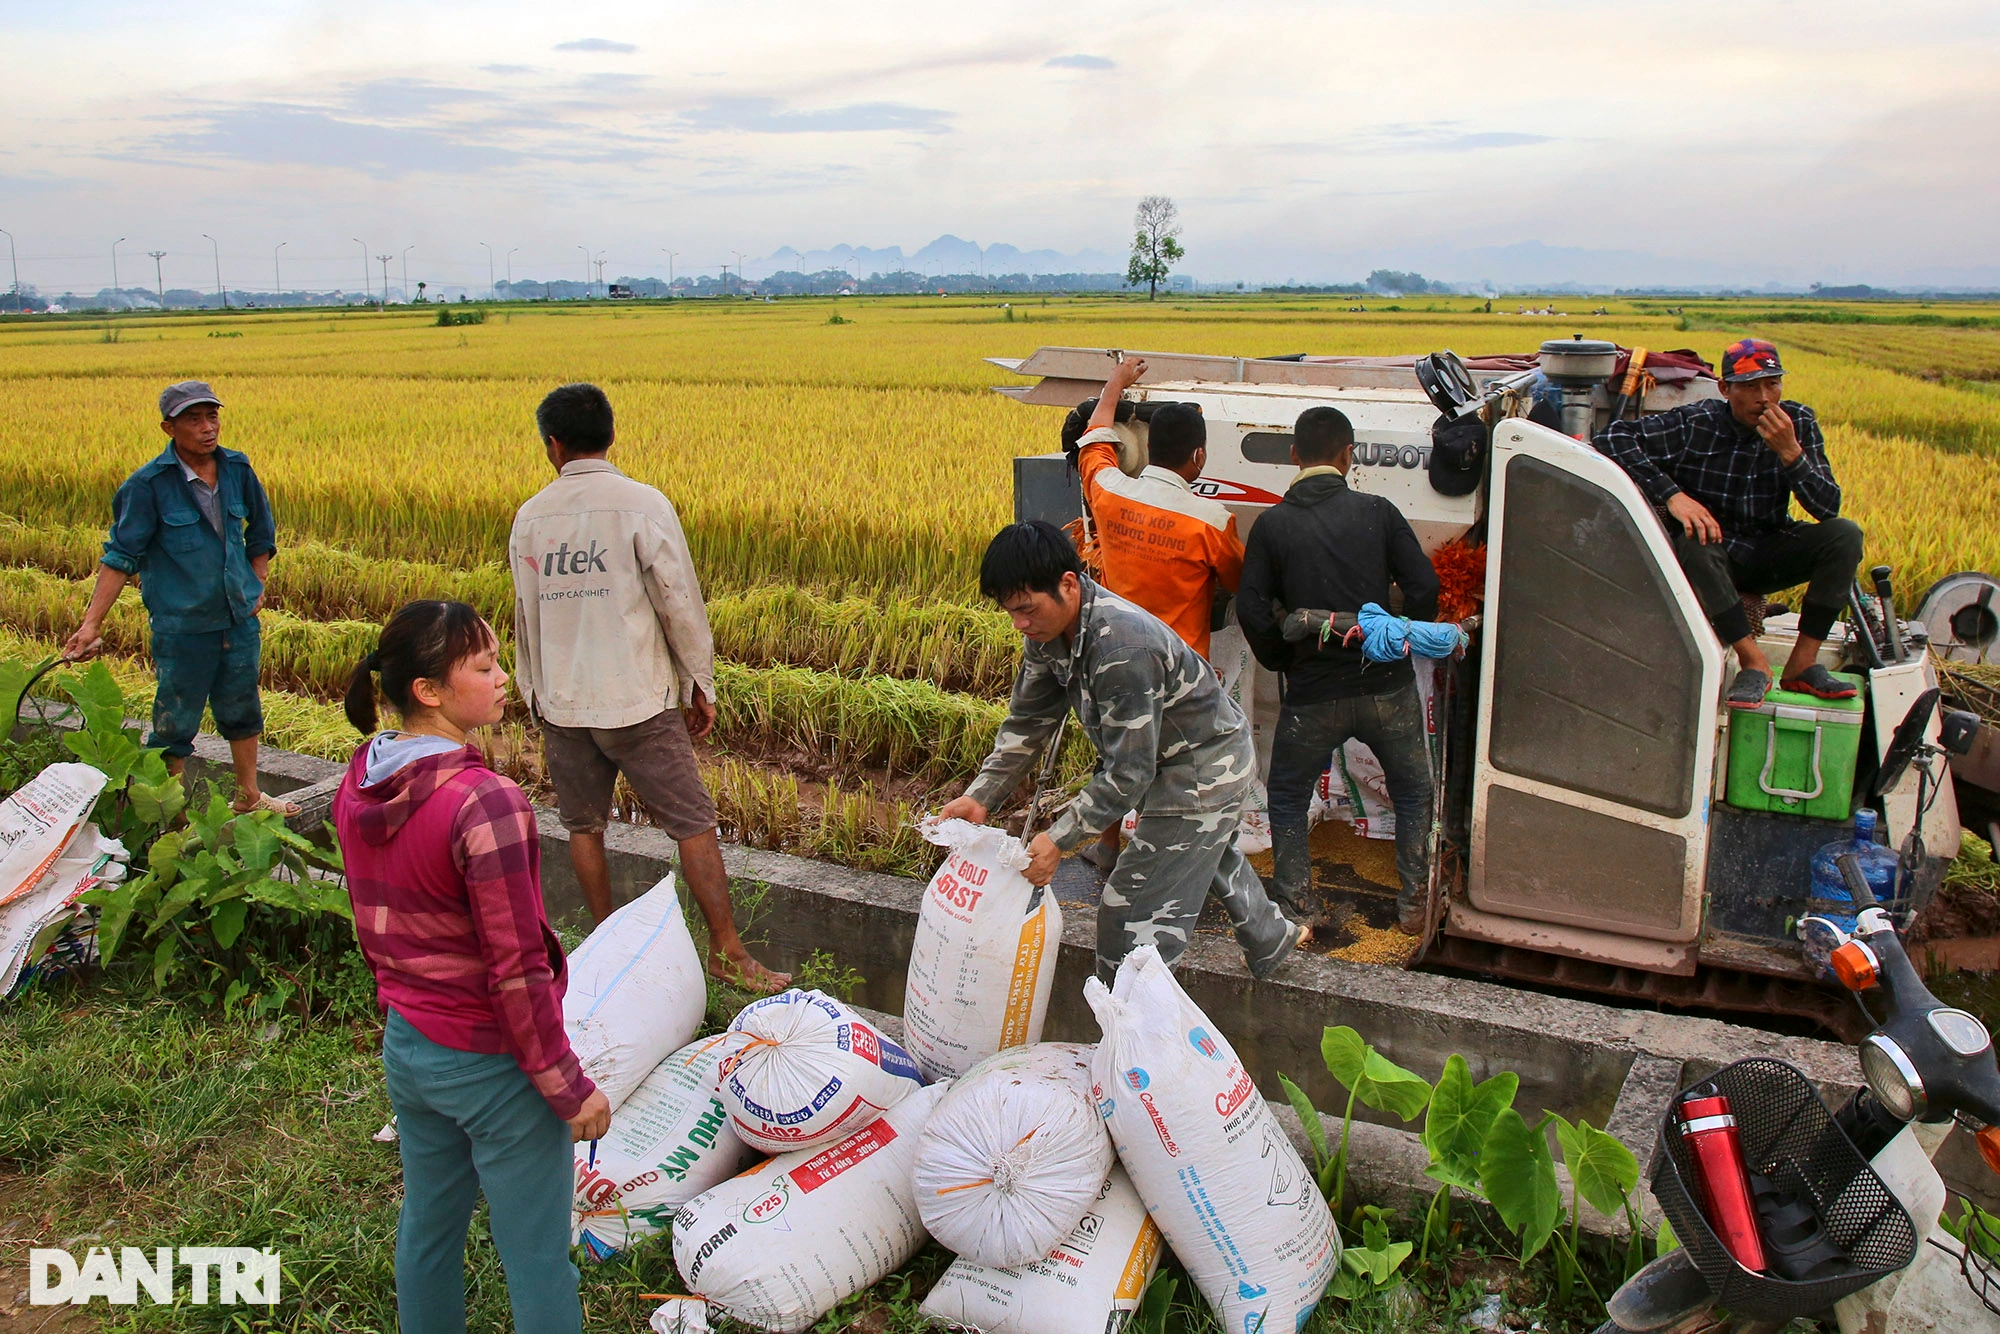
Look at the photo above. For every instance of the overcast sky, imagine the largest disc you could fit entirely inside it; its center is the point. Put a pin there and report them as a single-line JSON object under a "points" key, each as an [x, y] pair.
{"points": [[1790, 140]]}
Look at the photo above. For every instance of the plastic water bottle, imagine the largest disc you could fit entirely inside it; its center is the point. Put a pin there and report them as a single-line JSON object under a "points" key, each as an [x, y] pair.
{"points": [[1878, 867]]}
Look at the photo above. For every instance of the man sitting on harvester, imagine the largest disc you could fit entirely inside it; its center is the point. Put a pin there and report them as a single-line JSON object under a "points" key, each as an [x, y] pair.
{"points": [[1724, 472], [1160, 545], [1169, 741]]}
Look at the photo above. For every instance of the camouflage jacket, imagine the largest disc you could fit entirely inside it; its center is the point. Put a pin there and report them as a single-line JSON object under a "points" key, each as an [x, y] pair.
{"points": [[1169, 740]]}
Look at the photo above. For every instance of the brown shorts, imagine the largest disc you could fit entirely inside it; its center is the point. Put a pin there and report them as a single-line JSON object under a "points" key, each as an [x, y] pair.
{"points": [[657, 759]]}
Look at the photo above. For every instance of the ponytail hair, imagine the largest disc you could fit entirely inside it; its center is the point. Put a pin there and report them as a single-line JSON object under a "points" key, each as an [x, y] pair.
{"points": [[422, 642]]}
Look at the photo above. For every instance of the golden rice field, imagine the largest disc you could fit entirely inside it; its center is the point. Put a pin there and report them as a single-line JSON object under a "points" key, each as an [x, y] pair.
{"points": [[837, 481]]}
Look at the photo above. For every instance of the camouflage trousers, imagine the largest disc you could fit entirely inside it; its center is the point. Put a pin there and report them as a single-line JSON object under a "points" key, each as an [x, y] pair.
{"points": [[1165, 872]]}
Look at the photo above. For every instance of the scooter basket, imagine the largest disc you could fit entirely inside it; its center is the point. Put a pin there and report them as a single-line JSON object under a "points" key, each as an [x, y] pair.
{"points": [[1789, 1138]]}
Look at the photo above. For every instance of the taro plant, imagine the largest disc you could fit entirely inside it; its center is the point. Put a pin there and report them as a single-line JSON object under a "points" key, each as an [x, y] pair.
{"points": [[221, 897], [1479, 1143]]}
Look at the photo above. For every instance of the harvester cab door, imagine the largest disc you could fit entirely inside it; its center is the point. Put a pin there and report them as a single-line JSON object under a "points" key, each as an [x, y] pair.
{"points": [[1597, 726]]}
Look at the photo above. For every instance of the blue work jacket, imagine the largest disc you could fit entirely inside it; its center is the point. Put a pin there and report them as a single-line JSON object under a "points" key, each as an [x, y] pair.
{"points": [[192, 579]]}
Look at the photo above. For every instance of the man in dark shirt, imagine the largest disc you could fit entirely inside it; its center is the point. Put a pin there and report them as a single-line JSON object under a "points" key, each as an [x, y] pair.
{"points": [[1724, 471], [1328, 547]]}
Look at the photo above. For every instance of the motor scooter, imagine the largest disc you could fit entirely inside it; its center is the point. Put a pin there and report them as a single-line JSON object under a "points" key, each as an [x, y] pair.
{"points": [[1848, 1203]]}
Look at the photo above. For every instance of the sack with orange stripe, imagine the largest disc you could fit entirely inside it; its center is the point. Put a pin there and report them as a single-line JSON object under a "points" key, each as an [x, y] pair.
{"points": [[1012, 1158], [1089, 1283], [669, 1141], [984, 958]]}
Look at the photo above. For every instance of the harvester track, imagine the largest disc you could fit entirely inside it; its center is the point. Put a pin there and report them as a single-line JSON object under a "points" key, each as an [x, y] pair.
{"points": [[1711, 990]]}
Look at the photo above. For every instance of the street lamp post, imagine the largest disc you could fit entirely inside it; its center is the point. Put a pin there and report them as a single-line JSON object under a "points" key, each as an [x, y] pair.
{"points": [[277, 274], [489, 267], [406, 271], [114, 268], [671, 256], [586, 270], [366, 281], [222, 295], [158, 255], [15, 260], [739, 269]]}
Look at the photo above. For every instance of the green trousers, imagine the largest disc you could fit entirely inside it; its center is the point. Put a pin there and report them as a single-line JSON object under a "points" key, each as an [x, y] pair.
{"points": [[469, 1123]]}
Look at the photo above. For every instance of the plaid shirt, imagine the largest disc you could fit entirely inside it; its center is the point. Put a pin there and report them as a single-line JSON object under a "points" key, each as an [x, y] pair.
{"points": [[448, 908], [1701, 448]]}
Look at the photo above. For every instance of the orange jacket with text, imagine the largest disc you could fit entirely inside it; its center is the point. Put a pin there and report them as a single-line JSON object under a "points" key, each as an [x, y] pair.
{"points": [[1162, 546]]}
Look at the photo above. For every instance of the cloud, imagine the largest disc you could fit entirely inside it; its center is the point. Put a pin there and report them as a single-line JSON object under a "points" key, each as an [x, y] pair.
{"points": [[762, 115], [271, 133], [599, 45], [1079, 62], [406, 99], [508, 69]]}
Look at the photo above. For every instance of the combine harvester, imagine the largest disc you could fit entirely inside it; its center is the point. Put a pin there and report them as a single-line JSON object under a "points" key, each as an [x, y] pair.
{"points": [[1599, 831]]}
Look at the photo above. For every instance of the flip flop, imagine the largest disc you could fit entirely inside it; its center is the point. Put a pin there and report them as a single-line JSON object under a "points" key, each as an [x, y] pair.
{"points": [[1747, 691], [266, 802], [1817, 681]]}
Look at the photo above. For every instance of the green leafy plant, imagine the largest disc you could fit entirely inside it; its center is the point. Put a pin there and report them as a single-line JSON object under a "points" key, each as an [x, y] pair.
{"points": [[223, 898], [1371, 1266]]}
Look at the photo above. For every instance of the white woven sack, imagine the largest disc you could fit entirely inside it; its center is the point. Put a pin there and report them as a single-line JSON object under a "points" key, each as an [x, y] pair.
{"points": [[1213, 1167], [636, 992], [669, 1141], [780, 1246], [1014, 1156], [1089, 1284], [984, 957], [813, 1073], [38, 821]]}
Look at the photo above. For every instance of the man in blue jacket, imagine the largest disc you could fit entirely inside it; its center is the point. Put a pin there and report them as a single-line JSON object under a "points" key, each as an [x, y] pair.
{"points": [[195, 527]]}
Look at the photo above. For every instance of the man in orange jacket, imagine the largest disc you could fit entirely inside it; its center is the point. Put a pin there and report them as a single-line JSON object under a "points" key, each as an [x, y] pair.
{"points": [[1161, 545]]}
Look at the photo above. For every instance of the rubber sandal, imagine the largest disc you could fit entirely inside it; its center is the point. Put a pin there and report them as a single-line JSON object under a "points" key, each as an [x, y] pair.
{"points": [[266, 802], [1747, 691], [1817, 681]]}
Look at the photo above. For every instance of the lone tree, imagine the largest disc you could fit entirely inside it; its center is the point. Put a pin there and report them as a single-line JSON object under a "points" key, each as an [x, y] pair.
{"points": [[1155, 249]]}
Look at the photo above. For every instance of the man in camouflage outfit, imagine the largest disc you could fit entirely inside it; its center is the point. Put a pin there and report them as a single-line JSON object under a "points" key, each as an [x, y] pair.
{"points": [[1169, 741]]}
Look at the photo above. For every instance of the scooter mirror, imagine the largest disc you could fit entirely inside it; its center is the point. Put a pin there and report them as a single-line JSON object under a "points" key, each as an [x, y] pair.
{"points": [[1903, 746]]}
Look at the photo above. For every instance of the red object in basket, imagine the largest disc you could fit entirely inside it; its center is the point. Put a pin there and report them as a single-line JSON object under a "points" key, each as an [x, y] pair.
{"points": [[1722, 1181]]}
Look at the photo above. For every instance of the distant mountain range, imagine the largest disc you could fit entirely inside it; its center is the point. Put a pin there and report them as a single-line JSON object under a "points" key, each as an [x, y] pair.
{"points": [[947, 254]]}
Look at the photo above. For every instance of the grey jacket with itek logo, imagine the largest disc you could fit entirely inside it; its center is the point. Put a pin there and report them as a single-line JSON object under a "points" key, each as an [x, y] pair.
{"points": [[1169, 740]]}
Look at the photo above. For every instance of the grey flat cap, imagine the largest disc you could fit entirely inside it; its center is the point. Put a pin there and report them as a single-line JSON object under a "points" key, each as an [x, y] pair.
{"points": [[178, 398]]}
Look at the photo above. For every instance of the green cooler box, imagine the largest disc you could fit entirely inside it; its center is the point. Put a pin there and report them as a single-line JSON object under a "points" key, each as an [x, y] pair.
{"points": [[1794, 753]]}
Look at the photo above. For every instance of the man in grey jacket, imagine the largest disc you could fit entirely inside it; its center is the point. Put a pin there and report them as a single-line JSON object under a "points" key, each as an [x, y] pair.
{"points": [[614, 657], [1170, 743]]}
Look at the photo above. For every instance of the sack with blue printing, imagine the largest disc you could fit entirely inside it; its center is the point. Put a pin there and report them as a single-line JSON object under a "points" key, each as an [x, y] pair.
{"points": [[636, 992], [812, 1073], [784, 1243], [1214, 1169]]}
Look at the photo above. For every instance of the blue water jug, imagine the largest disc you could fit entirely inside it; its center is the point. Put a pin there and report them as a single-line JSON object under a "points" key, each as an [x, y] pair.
{"points": [[1878, 866]]}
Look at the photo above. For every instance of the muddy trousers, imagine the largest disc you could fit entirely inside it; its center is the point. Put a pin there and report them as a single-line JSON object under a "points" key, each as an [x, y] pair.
{"points": [[1166, 871], [1392, 726], [470, 1124]]}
